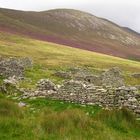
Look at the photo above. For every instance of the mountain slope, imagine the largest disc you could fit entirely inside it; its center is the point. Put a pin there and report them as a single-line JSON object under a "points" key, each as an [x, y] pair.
{"points": [[74, 28]]}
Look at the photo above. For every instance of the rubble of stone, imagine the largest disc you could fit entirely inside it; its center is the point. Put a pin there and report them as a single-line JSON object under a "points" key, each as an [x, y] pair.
{"points": [[11, 80], [10, 85], [45, 84], [14, 66], [80, 74], [44, 88]]}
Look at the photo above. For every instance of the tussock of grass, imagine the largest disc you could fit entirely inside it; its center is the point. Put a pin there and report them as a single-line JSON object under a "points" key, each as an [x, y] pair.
{"points": [[66, 121], [71, 124], [120, 120], [9, 109]]}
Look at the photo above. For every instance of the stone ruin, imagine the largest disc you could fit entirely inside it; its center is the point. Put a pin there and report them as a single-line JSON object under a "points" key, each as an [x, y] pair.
{"points": [[111, 77], [14, 66], [81, 92], [13, 69], [105, 96], [106, 90]]}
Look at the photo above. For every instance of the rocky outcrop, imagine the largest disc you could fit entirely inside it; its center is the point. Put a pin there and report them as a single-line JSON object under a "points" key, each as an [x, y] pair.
{"points": [[11, 80], [14, 66]]}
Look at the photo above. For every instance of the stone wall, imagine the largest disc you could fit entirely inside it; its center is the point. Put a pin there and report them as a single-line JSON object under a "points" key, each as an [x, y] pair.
{"points": [[85, 93], [106, 90], [14, 66], [107, 97], [112, 77]]}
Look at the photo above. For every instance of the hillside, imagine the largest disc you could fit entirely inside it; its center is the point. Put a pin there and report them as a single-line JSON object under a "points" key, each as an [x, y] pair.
{"points": [[73, 28], [54, 56], [59, 55]]}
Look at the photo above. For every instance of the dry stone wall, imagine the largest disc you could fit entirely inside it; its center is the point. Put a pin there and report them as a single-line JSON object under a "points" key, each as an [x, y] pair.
{"points": [[84, 93], [112, 77], [107, 97], [14, 66]]}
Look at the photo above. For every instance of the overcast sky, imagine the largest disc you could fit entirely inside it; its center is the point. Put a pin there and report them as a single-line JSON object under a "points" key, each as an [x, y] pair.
{"points": [[122, 12]]}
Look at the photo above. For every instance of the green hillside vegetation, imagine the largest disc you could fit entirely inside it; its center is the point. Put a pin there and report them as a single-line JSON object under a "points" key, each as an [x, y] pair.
{"points": [[49, 57]]}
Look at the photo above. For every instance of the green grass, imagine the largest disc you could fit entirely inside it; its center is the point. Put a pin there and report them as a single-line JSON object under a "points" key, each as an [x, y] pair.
{"points": [[60, 105], [48, 120], [38, 72]]}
